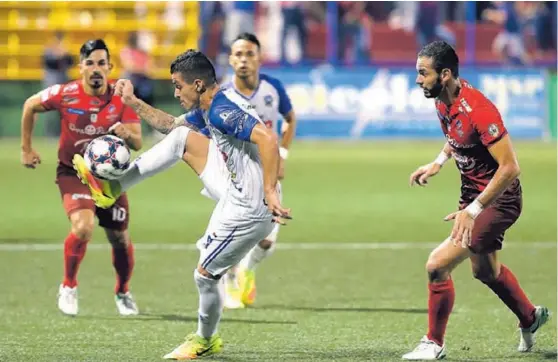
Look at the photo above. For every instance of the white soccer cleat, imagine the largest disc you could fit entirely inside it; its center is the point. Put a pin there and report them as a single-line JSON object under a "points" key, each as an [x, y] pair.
{"points": [[67, 300], [125, 304], [427, 350], [527, 335]]}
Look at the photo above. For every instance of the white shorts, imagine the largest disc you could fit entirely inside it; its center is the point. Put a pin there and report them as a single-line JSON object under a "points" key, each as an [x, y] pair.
{"points": [[215, 178], [228, 239]]}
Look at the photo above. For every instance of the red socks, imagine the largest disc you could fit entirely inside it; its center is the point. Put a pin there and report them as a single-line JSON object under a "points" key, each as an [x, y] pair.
{"points": [[440, 303], [74, 250], [123, 261], [507, 288]]}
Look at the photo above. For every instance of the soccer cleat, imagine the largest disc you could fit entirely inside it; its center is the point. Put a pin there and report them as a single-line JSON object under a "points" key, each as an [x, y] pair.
{"points": [[67, 300], [427, 350], [527, 335], [233, 294], [125, 304], [196, 346], [103, 192], [247, 283]]}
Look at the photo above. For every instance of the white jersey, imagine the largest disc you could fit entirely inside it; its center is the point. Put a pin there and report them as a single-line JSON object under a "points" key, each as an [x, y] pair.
{"points": [[230, 121], [270, 100]]}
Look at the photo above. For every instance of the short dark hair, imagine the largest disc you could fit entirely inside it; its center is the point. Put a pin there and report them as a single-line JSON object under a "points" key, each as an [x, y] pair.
{"points": [[443, 56], [90, 46], [192, 65], [248, 37]]}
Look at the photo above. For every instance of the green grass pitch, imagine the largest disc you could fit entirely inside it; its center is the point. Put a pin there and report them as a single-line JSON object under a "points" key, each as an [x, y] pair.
{"points": [[341, 301]]}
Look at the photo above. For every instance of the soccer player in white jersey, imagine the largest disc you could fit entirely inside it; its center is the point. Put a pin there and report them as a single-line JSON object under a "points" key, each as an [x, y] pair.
{"points": [[271, 102], [245, 213]]}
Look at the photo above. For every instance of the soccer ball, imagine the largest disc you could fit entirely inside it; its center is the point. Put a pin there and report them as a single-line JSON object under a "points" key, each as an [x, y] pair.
{"points": [[107, 157]]}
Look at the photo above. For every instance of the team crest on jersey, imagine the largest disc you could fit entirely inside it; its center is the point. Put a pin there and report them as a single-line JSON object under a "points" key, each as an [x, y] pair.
{"points": [[493, 130], [93, 117], [268, 99], [111, 108]]}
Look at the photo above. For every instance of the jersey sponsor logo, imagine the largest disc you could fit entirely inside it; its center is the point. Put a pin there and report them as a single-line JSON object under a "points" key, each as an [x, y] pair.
{"points": [[72, 87], [493, 130], [68, 100], [89, 130], [456, 144], [81, 112], [224, 115], [466, 105], [465, 163], [81, 197]]}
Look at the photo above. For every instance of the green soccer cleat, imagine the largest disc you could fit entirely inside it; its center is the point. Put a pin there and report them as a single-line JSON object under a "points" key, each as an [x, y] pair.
{"points": [[103, 192], [195, 347]]}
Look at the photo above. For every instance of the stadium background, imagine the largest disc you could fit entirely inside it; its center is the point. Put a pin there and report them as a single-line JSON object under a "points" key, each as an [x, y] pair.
{"points": [[363, 127]]}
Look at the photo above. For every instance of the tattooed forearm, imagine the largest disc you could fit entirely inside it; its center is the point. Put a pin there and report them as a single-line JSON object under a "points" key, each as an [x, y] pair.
{"points": [[160, 120]]}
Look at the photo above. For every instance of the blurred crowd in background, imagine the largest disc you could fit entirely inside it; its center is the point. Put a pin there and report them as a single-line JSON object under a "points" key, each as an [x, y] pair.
{"points": [[144, 37]]}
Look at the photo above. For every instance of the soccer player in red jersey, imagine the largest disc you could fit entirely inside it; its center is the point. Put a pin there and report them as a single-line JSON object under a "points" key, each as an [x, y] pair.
{"points": [[490, 201], [88, 109]]}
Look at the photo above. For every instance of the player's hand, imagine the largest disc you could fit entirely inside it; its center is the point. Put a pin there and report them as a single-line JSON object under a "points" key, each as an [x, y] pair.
{"points": [[30, 158], [125, 89], [423, 173], [119, 130], [281, 171], [462, 232], [280, 214]]}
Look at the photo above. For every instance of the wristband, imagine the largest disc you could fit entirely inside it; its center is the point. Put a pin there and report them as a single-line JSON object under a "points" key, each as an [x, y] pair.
{"points": [[474, 209], [442, 158], [283, 153]]}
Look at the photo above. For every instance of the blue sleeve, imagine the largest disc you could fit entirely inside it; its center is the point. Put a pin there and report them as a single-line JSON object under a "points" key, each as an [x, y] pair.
{"points": [[195, 118], [231, 120], [285, 105]]}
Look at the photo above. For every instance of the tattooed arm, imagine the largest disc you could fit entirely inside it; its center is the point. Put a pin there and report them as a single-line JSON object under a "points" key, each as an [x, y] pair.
{"points": [[160, 120]]}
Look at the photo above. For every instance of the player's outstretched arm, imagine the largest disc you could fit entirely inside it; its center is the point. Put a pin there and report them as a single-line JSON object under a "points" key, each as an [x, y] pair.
{"points": [[423, 173], [267, 142], [156, 118], [29, 157]]}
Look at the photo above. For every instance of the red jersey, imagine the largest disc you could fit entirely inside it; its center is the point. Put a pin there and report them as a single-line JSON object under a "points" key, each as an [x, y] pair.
{"points": [[471, 124], [83, 117]]}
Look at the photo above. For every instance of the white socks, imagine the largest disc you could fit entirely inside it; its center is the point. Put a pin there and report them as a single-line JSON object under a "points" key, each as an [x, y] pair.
{"points": [[255, 256], [158, 158], [211, 304]]}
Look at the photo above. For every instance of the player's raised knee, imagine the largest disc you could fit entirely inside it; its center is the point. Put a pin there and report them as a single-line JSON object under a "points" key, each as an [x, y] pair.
{"points": [[266, 244]]}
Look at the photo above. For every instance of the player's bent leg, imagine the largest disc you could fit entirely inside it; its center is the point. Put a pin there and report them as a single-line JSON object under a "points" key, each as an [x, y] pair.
{"points": [[441, 296], [123, 261], [75, 245], [205, 341], [503, 283]]}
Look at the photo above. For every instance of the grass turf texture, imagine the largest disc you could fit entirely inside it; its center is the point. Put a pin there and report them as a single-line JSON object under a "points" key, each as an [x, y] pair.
{"points": [[343, 305]]}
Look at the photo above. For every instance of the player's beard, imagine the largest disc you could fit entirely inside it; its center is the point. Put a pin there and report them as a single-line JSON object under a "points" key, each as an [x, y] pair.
{"points": [[96, 83], [436, 89]]}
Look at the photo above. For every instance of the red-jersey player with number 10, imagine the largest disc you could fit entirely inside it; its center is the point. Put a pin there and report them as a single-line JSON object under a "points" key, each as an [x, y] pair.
{"points": [[88, 109]]}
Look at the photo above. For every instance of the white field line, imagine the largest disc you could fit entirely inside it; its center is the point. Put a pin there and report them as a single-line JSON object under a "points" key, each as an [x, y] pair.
{"points": [[280, 246]]}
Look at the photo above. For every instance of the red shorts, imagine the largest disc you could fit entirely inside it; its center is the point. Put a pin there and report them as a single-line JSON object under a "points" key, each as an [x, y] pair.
{"points": [[492, 223], [76, 196]]}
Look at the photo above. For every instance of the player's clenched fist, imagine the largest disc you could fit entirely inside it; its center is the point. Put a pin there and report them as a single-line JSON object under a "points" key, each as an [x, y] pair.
{"points": [[125, 89], [423, 173], [119, 130], [30, 158]]}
